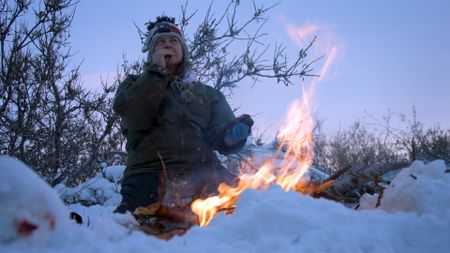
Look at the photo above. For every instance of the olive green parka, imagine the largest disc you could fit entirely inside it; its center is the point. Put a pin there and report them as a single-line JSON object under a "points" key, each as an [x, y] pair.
{"points": [[165, 132]]}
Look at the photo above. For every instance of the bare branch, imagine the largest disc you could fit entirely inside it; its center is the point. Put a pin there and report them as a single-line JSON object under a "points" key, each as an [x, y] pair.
{"points": [[210, 50]]}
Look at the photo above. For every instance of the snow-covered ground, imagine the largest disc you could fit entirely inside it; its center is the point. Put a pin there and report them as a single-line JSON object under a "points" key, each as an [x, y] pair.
{"points": [[414, 216]]}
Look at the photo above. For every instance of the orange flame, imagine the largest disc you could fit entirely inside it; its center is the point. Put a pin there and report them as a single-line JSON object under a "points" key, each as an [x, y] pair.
{"points": [[327, 42], [301, 35], [296, 138]]}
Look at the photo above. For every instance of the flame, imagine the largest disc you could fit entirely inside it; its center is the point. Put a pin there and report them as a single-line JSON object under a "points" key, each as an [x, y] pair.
{"points": [[300, 35], [295, 146], [295, 138], [327, 43]]}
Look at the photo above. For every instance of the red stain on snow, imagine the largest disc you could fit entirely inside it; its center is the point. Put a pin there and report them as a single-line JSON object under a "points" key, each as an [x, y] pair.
{"points": [[25, 228]]}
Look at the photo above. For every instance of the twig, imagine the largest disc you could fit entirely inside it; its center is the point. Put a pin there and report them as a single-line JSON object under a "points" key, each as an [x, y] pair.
{"points": [[339, 172], [252, 166], [163, 164], [163, 178]]}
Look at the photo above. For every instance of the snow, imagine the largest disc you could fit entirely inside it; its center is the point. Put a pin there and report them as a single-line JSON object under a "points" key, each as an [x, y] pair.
{"points": [[27, 199], [413, 216], [423, 189], [104, 188]]}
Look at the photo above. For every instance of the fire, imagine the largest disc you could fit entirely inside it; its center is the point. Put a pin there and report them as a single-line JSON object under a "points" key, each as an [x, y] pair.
{"points": [[300, 35], [295, 146], [296, 139], [327, 42]]}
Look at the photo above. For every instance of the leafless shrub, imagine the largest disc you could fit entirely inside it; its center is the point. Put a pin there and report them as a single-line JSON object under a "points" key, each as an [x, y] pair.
{"points": [[47, 118], [356, 145], [372, 148], [413, 139]]}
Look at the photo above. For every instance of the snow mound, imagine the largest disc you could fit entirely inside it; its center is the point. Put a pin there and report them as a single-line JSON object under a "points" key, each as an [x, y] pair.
{"points": [[114, 173], [103, 189], [30, 210], [421, 188], [413, 217], [276, 221]]}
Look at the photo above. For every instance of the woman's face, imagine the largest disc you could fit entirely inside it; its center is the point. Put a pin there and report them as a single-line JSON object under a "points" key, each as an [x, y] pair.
{"points": [[171, 48]]}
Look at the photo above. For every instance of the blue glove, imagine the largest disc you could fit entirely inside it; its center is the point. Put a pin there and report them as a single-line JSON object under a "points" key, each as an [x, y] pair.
{"points": [[238, 132]]}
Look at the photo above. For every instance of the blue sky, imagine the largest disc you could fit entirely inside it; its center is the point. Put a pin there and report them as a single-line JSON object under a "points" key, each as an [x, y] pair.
{"points": [[389, 54]]}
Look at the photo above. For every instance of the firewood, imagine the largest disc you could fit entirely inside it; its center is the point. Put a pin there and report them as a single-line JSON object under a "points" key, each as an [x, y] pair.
{"points": [[163, 212], [358, 175], [147, 210]]}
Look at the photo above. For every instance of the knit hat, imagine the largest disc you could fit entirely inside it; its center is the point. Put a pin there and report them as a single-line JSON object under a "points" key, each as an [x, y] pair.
{"points": [[165, 26]]}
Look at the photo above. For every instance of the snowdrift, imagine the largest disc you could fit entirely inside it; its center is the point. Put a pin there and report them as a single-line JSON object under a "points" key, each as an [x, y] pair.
{"points": [[413, 216]]}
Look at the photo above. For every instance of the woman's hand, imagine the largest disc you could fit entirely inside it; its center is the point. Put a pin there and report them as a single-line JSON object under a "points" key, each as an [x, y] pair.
{"points": [[239, 130], [159, 56]]}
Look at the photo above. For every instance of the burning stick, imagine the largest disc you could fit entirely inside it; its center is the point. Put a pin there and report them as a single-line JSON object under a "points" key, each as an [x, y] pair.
{"points": [[162, 221], [317, 189], [164, 212]]}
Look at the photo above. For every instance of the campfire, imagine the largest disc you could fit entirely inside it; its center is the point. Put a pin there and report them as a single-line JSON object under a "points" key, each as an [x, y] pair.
{"points": [[286, 168], [295, 147]]}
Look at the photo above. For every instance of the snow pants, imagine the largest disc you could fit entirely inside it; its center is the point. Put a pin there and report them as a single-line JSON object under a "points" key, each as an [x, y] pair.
{"points": [[171, 189]]}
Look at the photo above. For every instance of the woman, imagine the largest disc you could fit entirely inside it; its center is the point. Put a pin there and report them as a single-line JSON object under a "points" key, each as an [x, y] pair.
{"points": [[173, 124]]}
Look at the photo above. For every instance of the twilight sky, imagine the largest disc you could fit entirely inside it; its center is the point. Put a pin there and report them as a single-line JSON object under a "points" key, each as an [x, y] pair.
{"points": [[382, 55]]}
